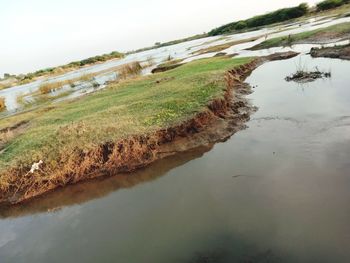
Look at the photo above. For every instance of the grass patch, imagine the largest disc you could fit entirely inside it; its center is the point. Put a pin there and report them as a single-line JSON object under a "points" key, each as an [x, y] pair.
{"points": [[331, 4], [48, 87], [335, 31], [133, 106]]}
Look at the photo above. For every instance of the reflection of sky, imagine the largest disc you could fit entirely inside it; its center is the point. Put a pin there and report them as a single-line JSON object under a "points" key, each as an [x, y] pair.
{"points": [[43, 33]]}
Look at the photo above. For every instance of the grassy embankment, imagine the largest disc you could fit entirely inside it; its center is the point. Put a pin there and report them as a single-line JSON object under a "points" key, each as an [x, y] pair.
{"points": [[135, 106], [314, 36]]}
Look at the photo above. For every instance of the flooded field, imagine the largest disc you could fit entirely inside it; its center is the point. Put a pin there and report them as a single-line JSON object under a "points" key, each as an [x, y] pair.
{"points": [[187, 51], [277, 191]]}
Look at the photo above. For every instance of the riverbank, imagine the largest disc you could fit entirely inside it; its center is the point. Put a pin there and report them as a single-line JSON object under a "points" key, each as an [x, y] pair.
{"points": [[319, 36], [125, 127], [341, 52]]}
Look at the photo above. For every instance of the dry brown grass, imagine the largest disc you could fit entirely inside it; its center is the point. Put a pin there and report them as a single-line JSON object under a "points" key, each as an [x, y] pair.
{"points": [[3, 86], [129, 70], [85, 77], [48, 87], [2, 104]]}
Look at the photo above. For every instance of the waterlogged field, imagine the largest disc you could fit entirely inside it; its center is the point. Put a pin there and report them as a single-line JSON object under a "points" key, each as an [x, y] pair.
{"points": [[21, 97], [277, 191]]}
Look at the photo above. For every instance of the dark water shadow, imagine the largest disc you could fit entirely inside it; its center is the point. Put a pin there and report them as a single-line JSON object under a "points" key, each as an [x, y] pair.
{"points": [[100, 187]]}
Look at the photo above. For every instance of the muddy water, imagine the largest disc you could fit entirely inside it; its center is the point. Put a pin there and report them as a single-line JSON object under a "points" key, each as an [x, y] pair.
{"points": [[278, 191]]}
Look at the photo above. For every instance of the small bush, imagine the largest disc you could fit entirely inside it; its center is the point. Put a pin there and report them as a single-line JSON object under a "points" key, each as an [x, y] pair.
{"points": [[131, 69], [86, 77], [48, 87]]}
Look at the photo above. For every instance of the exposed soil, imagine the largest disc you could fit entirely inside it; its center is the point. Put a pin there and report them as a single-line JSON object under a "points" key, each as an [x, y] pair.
{"points": [[219, 121], [165, 68], [341, 52]]}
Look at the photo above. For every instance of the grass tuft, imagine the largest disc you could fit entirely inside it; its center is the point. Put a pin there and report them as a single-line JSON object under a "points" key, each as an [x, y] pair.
{"points": [[129, 70]]}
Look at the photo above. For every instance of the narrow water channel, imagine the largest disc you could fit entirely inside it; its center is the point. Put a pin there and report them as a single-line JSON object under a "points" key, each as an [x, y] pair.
{"points": [[277, 191]]}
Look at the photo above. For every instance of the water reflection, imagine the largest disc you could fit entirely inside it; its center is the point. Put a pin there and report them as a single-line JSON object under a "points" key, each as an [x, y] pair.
{"points": [[100, 187]]}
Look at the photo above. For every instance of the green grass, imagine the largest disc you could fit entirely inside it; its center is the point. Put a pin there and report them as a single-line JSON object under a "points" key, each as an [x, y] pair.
{"points": [[131, 107], [336, 30]]}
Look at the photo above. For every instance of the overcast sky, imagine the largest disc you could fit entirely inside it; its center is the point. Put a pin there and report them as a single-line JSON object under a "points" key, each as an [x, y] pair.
{"points": [[42, 33]]}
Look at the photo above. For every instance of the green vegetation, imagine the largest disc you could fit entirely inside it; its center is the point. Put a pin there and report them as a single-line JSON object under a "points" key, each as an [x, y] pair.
{"points": [[280, 15], [93, 60], [133, 106], [331, 4], [331, 32]]}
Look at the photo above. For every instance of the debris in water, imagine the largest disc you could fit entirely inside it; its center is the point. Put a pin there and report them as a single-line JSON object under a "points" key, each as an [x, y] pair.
{"points": [[302, 76]]}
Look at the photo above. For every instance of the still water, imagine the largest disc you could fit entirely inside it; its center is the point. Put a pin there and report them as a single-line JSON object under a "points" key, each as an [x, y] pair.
{"points": [[278, 191]]}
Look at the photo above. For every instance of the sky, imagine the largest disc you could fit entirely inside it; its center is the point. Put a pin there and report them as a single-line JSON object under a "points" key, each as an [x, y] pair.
{"points": [[36, 34]]}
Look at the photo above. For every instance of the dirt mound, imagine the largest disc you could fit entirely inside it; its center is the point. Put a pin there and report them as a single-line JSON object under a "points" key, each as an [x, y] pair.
{"points": [[341, 52]]}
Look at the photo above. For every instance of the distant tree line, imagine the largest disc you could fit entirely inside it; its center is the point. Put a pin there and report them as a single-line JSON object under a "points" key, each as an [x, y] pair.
{"points": [[277, 16], [330, 4], [72, 65], [280, 15]]}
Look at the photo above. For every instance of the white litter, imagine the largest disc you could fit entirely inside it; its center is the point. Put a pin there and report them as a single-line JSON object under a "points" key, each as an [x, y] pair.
{"points": [[35, 166]]}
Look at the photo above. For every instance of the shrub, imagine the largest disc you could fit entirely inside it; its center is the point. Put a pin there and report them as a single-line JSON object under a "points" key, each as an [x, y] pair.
{"points": [[241, 25], [131, 69], [47, 87], [330, 4]]}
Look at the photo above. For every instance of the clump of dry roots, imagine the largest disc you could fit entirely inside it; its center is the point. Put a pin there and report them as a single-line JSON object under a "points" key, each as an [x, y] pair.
{"points": [[302, 76]]}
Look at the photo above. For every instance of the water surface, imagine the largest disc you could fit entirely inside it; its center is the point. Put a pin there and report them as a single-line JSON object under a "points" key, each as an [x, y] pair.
{"points": [[275, 192]]}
